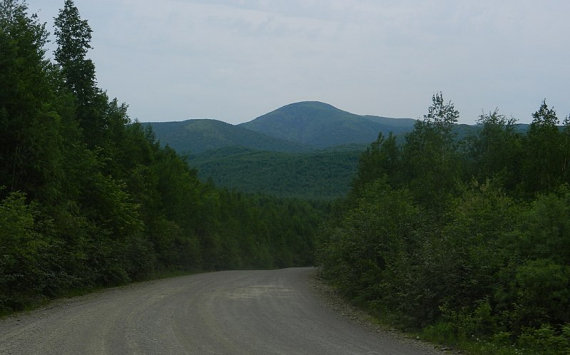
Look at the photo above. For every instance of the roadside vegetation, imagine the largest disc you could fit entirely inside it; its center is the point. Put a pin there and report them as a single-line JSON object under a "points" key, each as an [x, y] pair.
{"points": [[466, 241], [90, 199]]}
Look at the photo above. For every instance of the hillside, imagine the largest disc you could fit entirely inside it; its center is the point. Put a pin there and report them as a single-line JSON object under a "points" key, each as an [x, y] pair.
{"points": [[306, 150], [298, 127], [322, 125], [199, 135], [320, 175]]}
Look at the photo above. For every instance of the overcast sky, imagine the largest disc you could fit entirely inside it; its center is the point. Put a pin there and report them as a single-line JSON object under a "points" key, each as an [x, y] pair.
{"points": [[234, 60]]}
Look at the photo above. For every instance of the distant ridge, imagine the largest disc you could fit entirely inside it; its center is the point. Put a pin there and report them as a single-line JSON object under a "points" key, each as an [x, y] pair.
{"points": [[200, 135], [304, 150], [322, 125], [297, 127]]}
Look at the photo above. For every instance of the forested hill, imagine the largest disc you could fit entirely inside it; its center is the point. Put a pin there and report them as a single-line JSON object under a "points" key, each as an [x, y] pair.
{"points": [[199, 135], [298, 127], [322, 125], [277, 153], [304, 150]]}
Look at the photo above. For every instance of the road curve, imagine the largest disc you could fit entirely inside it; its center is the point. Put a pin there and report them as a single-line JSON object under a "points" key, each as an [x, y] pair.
{"points": [[230, 312]]}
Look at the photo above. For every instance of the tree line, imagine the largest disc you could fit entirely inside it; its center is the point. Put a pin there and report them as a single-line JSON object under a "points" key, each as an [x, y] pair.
{"points": [[89, 198], [465, 239]]}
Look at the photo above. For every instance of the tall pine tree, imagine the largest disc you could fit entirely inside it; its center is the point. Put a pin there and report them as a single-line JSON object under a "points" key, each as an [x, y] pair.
{"points": [[74, 41]]}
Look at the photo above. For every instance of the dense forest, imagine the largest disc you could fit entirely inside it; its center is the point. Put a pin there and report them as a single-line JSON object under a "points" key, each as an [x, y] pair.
{"points": [[465, 239], [319, 176], [89, 198]]}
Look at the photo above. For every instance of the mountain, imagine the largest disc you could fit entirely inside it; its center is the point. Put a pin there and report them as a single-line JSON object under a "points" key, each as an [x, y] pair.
{"points": [[200, 135], [321, 125], [298, 127], [306, 150]]}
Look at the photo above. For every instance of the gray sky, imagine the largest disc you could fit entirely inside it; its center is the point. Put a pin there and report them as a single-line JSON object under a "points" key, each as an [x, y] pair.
{"points": [[234, 60]]}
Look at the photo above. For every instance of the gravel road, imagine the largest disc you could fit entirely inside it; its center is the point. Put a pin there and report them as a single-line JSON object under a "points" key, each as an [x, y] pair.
{"points": [[230, 312]]}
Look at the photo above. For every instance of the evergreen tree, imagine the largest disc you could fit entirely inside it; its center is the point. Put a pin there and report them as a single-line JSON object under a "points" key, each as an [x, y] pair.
{"points": [[74, 41]]}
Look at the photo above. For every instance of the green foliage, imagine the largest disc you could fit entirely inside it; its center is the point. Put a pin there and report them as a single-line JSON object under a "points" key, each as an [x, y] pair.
{"points": [[381, 158], [495, 151], [373, 242], [90, 200], [542, 293], [545, 153], [430, 155], [544, 231], [29, 265], [479, 256], [17, 236], [545, 340], [73, 38], [30, 143]]}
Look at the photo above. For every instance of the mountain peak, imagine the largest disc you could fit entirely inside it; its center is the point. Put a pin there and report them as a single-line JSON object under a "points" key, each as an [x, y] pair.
{"points": [[310, 104], [320, 125], [309, 109]]}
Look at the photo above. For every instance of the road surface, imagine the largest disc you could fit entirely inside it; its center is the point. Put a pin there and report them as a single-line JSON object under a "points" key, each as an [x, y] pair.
{"points": [[230, 312]]}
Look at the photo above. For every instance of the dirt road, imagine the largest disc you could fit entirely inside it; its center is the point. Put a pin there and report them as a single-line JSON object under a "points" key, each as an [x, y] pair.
{"points": [[232, 312]]}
